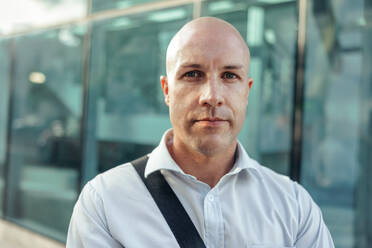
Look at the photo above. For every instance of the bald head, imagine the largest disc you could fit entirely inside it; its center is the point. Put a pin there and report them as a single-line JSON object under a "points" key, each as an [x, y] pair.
{"points": [[207, 87], [202, 33]]}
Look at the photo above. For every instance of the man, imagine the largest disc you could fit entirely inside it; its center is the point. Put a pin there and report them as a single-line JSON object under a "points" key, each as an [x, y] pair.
{"points": [[231, 200]]}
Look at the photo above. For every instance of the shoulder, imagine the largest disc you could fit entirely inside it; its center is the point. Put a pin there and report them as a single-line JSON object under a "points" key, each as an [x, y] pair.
{"points": [[282, 189], [116, 193], [121, 180], [116, 179], [275, 181], [290, 199], [295, 207]]}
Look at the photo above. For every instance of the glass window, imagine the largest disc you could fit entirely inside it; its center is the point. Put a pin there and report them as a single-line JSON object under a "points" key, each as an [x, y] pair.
{"points": [[45, 132], [336, 163], [270, 32], [19, 15], [126, 111], [4, 99], [99, 5]]}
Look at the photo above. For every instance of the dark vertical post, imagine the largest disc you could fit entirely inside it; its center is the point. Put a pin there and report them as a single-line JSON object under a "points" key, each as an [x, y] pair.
{"points": [[85, 80], [298, 96], [369, 172], [9, 126]]}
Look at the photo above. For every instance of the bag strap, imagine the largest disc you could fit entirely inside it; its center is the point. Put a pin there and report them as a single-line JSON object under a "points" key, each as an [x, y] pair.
{"points": [[169, 205]]}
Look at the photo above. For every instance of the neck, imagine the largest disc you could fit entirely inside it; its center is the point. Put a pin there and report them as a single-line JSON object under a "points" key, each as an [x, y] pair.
{"points": [[206, 168]]}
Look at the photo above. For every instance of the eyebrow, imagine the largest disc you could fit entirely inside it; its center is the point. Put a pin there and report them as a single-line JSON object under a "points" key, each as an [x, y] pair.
{"points": [[233, 67], [191, 66], [226, 67]]}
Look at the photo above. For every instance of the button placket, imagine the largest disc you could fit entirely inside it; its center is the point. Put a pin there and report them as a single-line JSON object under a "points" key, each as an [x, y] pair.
{"points": [[213, 221]]}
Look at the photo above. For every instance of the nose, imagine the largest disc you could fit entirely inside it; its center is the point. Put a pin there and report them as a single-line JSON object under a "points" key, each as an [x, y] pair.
{"points": [[212, 93]]}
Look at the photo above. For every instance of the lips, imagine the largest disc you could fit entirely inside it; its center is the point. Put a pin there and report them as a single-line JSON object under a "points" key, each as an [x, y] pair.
{"points": [[212, 119], [211, 122]]}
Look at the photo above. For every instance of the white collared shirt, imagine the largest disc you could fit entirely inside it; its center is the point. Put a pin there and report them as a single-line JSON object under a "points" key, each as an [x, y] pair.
{"points": [[251, 206]]}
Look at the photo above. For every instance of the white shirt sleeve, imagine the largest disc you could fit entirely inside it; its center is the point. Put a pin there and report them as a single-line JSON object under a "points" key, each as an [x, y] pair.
{"points": [[88, 226], [312, 231]]}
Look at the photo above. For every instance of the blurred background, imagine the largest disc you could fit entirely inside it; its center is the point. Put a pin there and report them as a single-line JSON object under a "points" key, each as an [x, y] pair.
{"points": [[80, 94]]}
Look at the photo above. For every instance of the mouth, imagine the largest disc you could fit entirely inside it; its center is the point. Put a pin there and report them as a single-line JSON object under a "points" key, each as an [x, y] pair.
{"points": [[211, 121]]}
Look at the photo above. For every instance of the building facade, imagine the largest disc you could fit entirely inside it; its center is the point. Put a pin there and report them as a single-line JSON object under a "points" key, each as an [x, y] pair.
{"points": [[80, 94]]}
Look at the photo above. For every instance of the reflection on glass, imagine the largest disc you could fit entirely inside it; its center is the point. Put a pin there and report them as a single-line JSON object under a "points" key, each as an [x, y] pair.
{"points": [[18, 15], [336, 167], [99, 5], [4, 99], [126, 111], [45, 144], [270, 31]]}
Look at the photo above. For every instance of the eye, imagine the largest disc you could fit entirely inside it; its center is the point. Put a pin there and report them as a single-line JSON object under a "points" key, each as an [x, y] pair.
{"points": [[229, 75], [193, 74]]}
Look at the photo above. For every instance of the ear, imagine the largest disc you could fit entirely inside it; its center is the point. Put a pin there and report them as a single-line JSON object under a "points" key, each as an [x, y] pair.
{"points": [[250, 83], [164, 86]]}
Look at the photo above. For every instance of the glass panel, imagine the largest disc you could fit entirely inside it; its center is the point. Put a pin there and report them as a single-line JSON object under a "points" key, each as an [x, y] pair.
{"points": [[127, 114], [45, 133], [4, 99], [18, 15], [336, 166], [99, 5], [270, 31]]}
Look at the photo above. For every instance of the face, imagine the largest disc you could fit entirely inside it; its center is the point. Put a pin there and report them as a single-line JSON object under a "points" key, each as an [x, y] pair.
{"points": [[206, 89]]}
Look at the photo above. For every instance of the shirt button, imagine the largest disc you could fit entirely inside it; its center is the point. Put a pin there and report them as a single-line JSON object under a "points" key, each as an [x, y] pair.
{"points": [[211, 198]]}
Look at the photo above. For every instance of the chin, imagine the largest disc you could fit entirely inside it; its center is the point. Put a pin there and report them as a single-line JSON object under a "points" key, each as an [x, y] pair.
{"points": [[210, 147]]}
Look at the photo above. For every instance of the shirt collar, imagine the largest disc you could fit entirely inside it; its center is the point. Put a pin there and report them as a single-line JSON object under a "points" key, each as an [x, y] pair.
{"points": [[160, 159], [243, 161]]}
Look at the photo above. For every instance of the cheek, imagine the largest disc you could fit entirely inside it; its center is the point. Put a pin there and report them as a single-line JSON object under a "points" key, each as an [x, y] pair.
{"points": [[178, 103], [241, 110], [240, 106], [183, 97]]}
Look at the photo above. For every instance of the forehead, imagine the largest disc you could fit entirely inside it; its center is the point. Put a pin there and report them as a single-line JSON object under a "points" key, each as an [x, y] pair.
{"points": [[210, 47], [211, 51]]}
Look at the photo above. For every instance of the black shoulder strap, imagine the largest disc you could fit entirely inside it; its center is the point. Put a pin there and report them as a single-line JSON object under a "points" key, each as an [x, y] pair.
{"points": [[176, 216]]}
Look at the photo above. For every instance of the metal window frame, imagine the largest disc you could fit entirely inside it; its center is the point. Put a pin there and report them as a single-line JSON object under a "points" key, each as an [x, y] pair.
{"points": [[112, 13]]}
